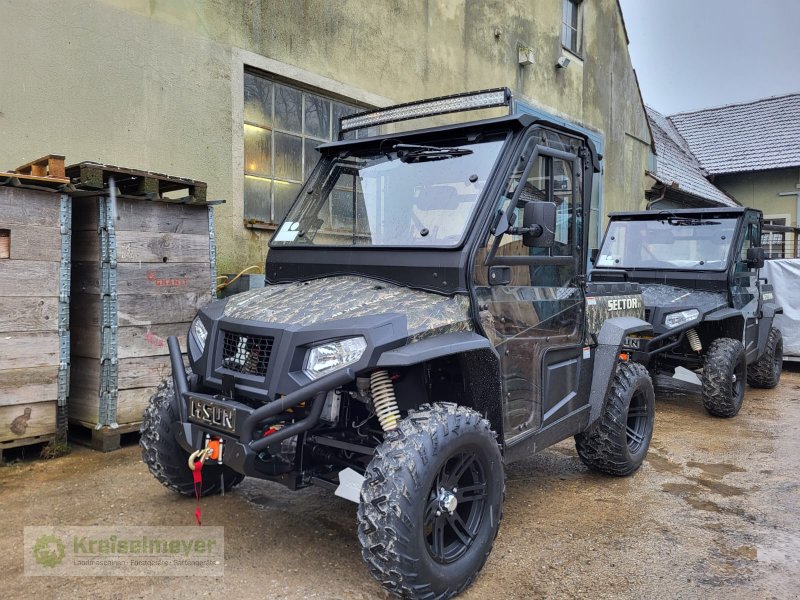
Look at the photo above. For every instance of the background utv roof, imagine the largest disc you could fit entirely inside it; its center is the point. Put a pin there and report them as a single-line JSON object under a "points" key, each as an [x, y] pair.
{"points": [[653, 214]]}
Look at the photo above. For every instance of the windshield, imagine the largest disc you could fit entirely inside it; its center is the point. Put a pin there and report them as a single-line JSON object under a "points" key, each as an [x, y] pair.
{"points": [[670, 243], [395, 195]]}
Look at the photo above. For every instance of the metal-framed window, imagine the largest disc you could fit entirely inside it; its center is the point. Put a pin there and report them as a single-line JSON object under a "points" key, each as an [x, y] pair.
{"points": [[572, 25], [283, 124]]}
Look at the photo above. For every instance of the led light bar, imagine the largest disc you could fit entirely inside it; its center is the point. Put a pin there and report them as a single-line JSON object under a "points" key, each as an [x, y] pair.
{"points": [[427, 108]]}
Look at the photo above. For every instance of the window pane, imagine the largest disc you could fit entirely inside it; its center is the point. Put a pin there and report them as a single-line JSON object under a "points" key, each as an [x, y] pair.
{"points": [[312, 156], [257, 100], [257, 198], [318, 117], [288, 108], [257, 150], [339, 111], [285, 193], [288, 156]]}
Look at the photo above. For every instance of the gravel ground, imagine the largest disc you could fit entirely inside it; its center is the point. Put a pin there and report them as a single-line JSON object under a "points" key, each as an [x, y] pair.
{"points": [[713, 514]]}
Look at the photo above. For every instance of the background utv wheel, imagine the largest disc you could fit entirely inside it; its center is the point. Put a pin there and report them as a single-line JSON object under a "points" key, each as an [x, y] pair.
{"points": [[431, 503], [165, 458], [766, 371], [724, 375], [619, 441]]}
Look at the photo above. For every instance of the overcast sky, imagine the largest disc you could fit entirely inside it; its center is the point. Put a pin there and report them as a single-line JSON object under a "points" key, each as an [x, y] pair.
{"points": [[692, 54]]}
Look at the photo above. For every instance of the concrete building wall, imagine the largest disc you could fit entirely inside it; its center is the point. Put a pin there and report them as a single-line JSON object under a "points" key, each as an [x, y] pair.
{"points": [[157, 84], [763, 189]]}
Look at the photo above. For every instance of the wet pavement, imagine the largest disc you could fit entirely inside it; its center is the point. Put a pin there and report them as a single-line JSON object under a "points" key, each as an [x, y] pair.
{"points": [[713, 513]]}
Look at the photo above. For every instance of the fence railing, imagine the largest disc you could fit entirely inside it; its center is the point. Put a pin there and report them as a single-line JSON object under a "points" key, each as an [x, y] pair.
{"points": [[780, 241]]}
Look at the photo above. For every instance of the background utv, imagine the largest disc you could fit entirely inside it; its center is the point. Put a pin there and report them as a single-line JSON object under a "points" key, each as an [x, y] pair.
{"points": [[711, 311], [425, 322]]}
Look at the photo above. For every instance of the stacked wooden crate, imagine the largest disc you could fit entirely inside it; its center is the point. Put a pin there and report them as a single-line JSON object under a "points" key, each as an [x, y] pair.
{"points": [[34, 303], [143, 264]]}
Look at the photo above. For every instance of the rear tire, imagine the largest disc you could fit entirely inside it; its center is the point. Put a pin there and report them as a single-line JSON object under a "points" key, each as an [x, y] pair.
{"points": [[766, 371], [618, 442], [724, 377], [431, 502], [166, 459]]}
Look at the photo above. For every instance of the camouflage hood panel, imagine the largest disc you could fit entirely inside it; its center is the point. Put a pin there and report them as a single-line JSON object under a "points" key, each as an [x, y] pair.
{"points": [[345, 297], [669, 296]]}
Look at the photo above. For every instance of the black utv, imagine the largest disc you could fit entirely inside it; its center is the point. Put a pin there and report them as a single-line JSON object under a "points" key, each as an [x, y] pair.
{"points": [[424, 323], [711, 312]]}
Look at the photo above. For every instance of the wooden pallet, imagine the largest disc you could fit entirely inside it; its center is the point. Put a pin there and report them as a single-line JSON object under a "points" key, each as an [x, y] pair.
{"points": [[133, 182], [105, 439], [37, 440], [51, 165]]}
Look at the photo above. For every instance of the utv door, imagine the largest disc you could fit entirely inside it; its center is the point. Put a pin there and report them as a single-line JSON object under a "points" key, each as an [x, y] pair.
{"points": [[530, 298], [744, 288]]}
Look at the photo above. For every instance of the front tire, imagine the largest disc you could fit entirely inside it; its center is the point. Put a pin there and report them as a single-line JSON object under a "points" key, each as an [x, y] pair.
{"points": [[766, 371], [618, 443], [166, 459], [724, 377], [431, 502]]}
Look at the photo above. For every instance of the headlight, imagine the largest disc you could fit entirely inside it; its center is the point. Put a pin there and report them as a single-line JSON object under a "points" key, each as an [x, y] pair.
{"points": [[681, 317], [326, 358], [199, 332]]}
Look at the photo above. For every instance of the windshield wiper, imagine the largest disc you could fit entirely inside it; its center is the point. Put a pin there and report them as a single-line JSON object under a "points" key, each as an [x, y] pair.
{"points": [[413, 153]]}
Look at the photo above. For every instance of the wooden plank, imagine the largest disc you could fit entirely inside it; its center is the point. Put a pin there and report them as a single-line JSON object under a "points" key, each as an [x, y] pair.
{"points": [[22, 206], [27, 420], [132, 403], [28, 314], [150, 309], [135, 246], [23, 386], [146, 371], [28, 278], [141, 309], [19, 350], [84, 405], [136, 278], [132, 341], [30, 242], [161, 217]]}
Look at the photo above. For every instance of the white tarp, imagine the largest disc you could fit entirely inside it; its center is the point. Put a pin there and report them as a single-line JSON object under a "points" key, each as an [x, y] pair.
{"points": [[784, 275]]}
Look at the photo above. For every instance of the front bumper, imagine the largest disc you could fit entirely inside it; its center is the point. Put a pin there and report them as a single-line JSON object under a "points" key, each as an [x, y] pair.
{"points": [[242, 447]]}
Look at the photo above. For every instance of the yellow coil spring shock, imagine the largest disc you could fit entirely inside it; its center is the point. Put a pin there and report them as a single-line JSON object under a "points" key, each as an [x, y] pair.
{"points": [[694, 340], [383, 399]]}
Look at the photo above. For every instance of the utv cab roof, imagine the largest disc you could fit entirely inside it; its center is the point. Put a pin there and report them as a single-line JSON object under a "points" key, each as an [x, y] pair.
{"points": [[733, 211]]}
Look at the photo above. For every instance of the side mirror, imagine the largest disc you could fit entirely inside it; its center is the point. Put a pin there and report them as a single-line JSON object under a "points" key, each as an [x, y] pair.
{"points": [[593, 256], [755, 258], [539, 224]]}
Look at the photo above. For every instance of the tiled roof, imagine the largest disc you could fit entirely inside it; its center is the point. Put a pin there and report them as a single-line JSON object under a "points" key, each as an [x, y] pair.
{"points": [[676, 165], [755, 136]]}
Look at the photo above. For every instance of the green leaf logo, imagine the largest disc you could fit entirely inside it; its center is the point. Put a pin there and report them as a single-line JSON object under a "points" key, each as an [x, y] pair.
{"points": [[48, 550]]}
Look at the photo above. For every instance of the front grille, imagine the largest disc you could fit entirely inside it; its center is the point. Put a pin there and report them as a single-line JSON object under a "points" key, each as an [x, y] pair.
{"points": [[248, 354], [646, 314]]}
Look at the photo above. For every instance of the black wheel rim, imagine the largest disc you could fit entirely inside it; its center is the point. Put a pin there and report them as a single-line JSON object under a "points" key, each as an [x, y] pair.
{"points": [[777, 364], [455, 507], [737, 380], [637, 422]]}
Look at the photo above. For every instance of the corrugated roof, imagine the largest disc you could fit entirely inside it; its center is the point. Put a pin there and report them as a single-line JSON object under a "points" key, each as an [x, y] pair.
{"points": [[753, 136], [676, 165]]}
